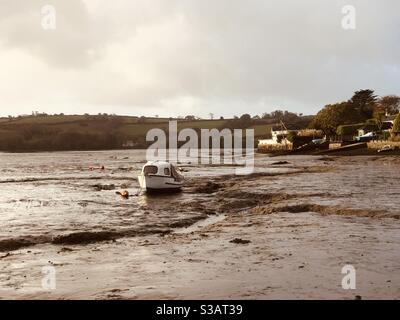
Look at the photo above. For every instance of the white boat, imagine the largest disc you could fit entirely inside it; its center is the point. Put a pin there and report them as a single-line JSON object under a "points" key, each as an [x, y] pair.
{"points": [[160, 176]]}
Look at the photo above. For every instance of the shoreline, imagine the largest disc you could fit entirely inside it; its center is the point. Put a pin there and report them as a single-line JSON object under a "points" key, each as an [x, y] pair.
{"points": [[348, 153]]}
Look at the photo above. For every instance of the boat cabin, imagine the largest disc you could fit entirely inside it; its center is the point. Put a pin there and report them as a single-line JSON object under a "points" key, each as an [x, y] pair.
{"points": [[161, 169]]}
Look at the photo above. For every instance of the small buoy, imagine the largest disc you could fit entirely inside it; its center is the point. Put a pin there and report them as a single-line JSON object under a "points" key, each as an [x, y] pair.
{"points": [[124, 194]]}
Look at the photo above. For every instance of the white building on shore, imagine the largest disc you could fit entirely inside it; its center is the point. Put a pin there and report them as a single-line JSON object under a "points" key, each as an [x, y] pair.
{"points": [[279, 139]]}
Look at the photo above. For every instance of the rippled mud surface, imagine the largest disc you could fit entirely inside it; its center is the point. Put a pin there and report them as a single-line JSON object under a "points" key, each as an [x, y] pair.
{"points": [[284, 231]]}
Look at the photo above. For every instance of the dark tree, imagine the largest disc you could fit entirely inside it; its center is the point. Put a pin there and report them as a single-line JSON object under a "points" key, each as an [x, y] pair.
{"points": [[389, 105], [363, 102], [190, 117]]}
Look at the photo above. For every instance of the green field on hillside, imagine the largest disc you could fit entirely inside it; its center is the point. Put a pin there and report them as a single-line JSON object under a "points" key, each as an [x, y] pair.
{"points": [[76, 132]]}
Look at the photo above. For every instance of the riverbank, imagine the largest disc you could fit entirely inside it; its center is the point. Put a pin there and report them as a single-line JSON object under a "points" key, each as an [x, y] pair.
{"points": [[369, 149]]}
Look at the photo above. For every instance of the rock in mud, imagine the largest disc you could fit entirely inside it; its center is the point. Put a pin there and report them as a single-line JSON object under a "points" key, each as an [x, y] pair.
{"points": [[279, 163], [100, 187], [124, 168], [240, 241]]}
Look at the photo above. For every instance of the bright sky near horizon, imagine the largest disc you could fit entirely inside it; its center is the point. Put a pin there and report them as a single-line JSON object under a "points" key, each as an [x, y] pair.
{"points": [[180, 57]]}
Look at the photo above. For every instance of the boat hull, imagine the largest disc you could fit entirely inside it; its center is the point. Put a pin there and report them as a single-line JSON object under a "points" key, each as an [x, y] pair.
{"points": [[153, 183]]}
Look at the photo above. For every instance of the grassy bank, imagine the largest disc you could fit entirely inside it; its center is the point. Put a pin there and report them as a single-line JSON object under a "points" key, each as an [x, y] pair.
{"points": [[100, 132]]}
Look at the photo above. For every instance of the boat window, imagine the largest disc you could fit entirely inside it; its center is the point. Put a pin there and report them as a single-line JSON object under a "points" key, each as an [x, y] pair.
{"points": [[150, 170], [167, 172]]}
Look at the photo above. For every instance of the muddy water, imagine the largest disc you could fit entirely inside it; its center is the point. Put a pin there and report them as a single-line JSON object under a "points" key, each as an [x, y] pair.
{"points": [[60, 198], [54, 208], [57, 197]]}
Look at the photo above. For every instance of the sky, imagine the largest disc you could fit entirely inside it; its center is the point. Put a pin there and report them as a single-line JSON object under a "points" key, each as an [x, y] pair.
{"points": [[194, 57]]}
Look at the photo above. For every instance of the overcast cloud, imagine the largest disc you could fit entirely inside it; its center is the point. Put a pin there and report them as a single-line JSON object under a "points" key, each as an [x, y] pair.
{"points": [[179, 57]]}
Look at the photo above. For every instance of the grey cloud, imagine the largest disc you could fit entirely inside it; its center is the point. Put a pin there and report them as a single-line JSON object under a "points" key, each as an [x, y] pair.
{"points": [[74, 43], [145, 57]]}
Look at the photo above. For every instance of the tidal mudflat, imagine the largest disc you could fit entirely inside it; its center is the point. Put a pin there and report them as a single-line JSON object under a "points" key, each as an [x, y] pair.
{"points": [[284, 231]]}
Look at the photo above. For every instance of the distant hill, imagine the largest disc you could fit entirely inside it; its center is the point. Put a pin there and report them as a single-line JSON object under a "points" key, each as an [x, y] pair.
{"points": [[99, 132]]}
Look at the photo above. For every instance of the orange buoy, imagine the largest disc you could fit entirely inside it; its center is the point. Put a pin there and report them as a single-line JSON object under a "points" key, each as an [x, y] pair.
{"points": [[124, 194]]}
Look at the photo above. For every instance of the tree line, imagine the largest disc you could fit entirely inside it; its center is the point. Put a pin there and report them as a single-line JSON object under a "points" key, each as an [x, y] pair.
{"points": [[363, 106]]}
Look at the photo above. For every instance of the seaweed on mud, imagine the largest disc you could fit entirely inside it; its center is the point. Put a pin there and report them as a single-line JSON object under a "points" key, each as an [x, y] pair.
{"points": [[209, 187], [84, 237], [240, 241], [199, 208], [88, 237], [237, 204], [21, 242], [237, 199], [101, 187], [325, 210], [279, 163], [187, 222]]}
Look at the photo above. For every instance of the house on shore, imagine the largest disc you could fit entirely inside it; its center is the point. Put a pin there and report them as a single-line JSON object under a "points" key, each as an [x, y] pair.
{"points": [[385, 127], [370, 129], [279, 140]]}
